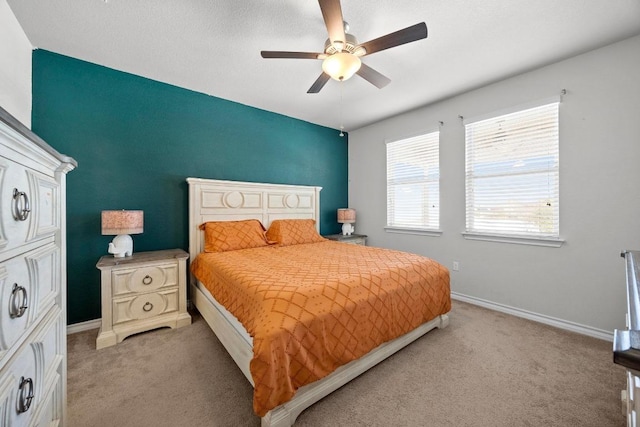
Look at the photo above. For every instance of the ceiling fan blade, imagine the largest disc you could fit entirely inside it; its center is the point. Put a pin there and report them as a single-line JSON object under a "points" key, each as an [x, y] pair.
{"points": [[332, 14], [295, 55], [407, 35], [319, 83], [372, 76]]}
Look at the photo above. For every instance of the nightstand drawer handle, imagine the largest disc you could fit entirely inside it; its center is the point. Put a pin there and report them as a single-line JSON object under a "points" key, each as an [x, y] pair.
{"points": [[18, 307], [25, 396], [147, 306], [146, 280], [21, 206]]}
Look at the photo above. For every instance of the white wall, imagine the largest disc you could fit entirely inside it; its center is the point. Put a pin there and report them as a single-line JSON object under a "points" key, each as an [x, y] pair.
{"points": [[15, 67], [583, 282]]}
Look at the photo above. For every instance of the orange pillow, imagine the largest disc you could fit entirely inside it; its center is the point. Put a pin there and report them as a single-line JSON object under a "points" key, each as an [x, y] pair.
{"points": [[222, 236], [294, 232]]}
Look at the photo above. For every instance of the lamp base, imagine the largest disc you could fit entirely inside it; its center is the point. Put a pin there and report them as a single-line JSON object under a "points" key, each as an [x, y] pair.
{"points": [[121, 246], [347, 229]]}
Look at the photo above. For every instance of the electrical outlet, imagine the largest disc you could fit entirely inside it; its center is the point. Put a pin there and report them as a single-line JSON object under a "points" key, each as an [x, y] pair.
{"points": [[456, 266]]}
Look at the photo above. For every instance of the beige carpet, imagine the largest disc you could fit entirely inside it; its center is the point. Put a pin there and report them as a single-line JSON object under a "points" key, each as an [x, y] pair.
{"points": [[485, 369]]}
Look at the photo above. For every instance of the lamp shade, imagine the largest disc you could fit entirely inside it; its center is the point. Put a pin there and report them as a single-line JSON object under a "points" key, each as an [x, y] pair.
{"points": [[346, 216], [341, 66], [122, 222]]}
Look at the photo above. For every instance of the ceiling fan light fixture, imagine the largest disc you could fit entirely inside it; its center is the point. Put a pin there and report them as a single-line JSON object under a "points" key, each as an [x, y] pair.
{"points": [[341, 66]]}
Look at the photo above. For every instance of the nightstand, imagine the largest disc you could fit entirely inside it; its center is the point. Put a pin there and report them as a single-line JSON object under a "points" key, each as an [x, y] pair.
{"points": [[354, 239], [145, 291]]}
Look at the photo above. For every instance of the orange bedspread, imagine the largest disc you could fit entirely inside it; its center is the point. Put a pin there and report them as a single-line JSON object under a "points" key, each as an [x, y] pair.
{"points": [[311, 308]]}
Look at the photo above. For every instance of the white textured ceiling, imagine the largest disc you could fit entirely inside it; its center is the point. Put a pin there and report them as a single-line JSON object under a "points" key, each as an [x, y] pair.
{"points": [[213, 46]]}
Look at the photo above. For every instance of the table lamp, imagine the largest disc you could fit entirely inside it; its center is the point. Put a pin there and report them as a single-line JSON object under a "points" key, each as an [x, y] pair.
{"points": [[347, 217], [122, 224]]}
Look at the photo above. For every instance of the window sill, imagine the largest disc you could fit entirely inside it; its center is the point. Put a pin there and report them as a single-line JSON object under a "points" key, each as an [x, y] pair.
{"points": [[519, 240], [418, 231]]}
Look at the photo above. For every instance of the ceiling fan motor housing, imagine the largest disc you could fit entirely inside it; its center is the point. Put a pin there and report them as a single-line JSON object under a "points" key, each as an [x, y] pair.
{"points": [[350, 46]]}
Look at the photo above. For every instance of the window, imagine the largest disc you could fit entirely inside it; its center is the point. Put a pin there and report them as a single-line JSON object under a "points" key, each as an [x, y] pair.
{"points": [[512, 174], [413, 183]]}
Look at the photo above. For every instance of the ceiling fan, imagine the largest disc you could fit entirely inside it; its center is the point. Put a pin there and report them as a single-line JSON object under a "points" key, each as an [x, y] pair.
{"points": [[342, 52]]}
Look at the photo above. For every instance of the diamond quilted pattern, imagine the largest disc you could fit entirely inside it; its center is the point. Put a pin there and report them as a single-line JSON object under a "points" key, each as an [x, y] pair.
{"points": [[313, 308], [293, 232]]}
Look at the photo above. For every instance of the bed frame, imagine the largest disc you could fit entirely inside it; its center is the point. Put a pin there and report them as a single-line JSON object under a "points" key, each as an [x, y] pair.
{"points": [[215, 200]]}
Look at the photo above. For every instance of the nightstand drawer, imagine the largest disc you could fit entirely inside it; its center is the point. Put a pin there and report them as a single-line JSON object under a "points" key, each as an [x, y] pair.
{"points": [[144, 279], [145, 306]]}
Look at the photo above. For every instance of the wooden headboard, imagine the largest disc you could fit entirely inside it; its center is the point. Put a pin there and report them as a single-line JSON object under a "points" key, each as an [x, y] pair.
{"points": [[215, 200]]}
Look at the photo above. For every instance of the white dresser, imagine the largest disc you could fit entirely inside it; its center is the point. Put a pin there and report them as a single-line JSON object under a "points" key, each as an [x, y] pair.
{"points": [[33, 353]]}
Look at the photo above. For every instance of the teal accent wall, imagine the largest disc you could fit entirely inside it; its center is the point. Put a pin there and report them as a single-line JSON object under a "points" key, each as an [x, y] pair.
{"points": [[136, 141]]}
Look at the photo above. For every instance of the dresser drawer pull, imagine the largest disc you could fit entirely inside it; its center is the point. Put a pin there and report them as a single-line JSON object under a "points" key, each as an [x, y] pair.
{"points": [[25, 396], [146, 280], [18, 307], [21, 206], [147, 306]]}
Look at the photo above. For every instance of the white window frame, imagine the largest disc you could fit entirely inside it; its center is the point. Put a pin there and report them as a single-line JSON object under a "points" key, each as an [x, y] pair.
{"points": [[431, 151], [530, 237]]}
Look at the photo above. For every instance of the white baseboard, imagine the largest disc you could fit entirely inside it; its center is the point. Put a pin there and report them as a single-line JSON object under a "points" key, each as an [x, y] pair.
{"points": [[536, 317], [547, 320], [83, 326]]}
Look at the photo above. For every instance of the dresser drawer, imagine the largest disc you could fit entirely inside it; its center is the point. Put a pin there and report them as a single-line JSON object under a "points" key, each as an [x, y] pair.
{"points": [[29, 286], [50, 411], [145, 306], [144, 279], [30, 209], [26, 381]]}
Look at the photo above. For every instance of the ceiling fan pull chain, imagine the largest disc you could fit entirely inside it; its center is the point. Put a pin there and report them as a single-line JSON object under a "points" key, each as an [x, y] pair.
{"points": [[341, 119]]}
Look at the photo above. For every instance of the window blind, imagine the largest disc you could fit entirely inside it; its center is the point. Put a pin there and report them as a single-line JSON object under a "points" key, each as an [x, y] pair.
{"points": [[413, 182], [512, 173]]}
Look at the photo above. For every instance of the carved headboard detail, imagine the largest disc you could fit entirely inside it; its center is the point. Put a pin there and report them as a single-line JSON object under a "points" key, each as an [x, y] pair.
{"points": [[217, 200]]}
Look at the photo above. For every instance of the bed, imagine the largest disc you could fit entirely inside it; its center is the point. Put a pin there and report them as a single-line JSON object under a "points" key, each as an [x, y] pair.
{"points": [[217, 201]]}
